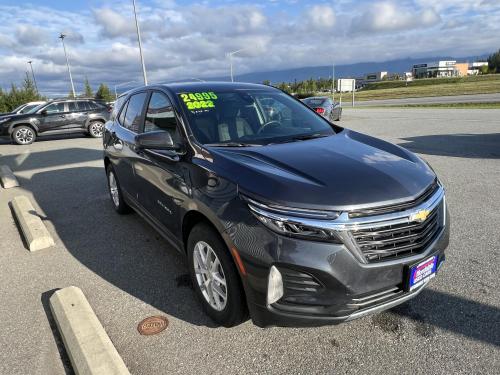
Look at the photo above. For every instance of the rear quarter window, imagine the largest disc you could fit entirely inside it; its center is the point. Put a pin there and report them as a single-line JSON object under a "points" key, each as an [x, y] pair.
{"points": [[117, 107]]}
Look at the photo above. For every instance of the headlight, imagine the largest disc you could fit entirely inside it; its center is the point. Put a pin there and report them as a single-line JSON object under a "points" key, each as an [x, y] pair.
{"points": [[294, 222]]}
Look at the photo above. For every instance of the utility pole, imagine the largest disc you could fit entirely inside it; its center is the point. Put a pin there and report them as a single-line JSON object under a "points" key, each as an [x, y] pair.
{"points": [[33, 74], [140, 45], [333, 82], [62, 36]]}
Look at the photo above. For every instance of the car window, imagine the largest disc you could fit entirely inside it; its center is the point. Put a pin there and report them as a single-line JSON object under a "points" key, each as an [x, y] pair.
{"points": [[83, 106], [72, 107], [117, 107], [55, 108], [134, 112], [160, 115], [313, 102], [252, 117]]}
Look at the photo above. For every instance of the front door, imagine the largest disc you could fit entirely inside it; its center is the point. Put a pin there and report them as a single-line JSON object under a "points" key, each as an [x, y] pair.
{"points": [[160, 174], [54, 118]]}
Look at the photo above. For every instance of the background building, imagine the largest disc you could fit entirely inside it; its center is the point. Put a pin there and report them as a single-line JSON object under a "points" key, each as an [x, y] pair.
{"points": [[444, 68], [475, 67], [374, 77]]}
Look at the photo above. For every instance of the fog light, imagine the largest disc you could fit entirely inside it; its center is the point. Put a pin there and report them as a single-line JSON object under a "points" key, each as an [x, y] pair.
{"points": [[274, 286]]}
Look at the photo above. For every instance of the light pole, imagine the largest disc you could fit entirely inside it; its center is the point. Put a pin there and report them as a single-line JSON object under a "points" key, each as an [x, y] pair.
{"points": [[121, 84], [333, 82], [230, 54], [140, 44], [33, 74], [62, 36]]}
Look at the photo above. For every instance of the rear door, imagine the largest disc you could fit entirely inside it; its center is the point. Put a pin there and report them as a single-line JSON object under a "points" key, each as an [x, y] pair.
{"points": [[78, 114], [55, 117], [123, 142]]}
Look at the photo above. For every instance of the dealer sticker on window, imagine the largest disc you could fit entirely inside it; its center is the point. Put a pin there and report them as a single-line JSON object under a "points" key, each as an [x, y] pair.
{"points": [[199, 100], [422, 272]]}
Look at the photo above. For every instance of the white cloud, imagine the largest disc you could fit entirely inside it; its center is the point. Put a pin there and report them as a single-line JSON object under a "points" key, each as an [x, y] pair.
{"points": [[388, 16], [321, 17], [192, 40]]}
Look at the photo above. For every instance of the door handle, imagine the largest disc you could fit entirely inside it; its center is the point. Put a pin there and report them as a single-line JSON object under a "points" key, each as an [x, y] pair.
{"points": [[62, 116]]}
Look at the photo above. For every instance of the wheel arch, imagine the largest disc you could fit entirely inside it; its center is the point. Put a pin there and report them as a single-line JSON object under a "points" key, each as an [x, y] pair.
{"points": [[29, 125]]}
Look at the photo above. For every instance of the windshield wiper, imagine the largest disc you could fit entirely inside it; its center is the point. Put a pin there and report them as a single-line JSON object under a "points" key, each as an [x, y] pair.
{"points": [[231, 144], [304, 137]]}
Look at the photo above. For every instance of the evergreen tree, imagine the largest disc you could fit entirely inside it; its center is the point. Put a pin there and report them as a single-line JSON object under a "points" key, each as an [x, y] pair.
{"points": [[494, 62], [88, 89], [103, 93]]}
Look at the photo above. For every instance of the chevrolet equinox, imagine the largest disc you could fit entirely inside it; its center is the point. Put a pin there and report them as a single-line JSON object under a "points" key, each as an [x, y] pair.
{"points": [[281, 214]]}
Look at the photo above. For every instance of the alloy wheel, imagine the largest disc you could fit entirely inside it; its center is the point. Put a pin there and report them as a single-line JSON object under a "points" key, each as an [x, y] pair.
{"points": [[97, 129], [113, 189], [24, 136], [210, 275]]}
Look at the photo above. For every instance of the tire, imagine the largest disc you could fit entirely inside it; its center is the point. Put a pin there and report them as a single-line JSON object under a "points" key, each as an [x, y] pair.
{"points": [[234, 310], [116, 196], [96, 129], [23, 135]]}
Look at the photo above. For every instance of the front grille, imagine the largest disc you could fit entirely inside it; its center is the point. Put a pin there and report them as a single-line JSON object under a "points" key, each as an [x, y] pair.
{"points": [[396, 207], [385, 242]]}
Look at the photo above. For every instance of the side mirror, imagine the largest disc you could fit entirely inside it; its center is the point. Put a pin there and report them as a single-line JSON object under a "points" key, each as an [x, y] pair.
{"points": [[43, 112], [157, 140]]}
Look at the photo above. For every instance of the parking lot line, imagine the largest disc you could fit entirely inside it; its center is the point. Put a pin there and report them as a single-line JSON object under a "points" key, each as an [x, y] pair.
{"points": [[89, 347], [7, 177], [35, 233]]}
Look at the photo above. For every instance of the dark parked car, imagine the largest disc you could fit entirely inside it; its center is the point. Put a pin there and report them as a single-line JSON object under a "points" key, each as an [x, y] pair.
{"points": [[325, 106], [56, 117], [289, 218], [23, 108]]}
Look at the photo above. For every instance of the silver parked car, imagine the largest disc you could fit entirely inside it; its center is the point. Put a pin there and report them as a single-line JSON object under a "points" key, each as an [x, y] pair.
{"points": [[23, 108], [325, 106]]}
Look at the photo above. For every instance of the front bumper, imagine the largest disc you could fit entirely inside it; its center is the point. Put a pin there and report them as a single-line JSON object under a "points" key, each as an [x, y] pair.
{"points": [[324, 283], [4, 131]]}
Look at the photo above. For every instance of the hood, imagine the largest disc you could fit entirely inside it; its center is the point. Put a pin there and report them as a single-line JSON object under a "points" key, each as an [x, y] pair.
{"points": [[345, 171], [17, 116]]}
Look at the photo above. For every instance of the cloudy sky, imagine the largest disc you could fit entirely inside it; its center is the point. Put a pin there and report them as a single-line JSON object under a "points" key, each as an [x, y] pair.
{"points": [[184, 38]]}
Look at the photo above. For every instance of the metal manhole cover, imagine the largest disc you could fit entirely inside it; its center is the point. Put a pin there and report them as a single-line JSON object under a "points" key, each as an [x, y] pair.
{"points": [[152, 325]]}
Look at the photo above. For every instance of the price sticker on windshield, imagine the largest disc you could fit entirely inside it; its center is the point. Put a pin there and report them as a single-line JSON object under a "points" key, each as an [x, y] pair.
{"points": [[199, 100]]}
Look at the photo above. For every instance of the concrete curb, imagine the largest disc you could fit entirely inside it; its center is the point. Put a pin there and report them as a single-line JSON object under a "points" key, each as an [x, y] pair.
{"points": [[88, 346], [35, 233], [7, 177]]}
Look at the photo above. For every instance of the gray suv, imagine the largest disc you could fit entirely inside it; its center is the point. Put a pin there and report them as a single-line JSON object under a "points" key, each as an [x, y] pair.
{"points": [[60, 116]]}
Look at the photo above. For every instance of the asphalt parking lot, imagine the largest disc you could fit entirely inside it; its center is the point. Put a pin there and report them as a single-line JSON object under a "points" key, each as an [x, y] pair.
{"points": [[128, 272]]}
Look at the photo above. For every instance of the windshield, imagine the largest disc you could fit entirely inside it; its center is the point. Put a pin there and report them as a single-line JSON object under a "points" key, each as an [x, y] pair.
{"points": [[16, 110], [28, 108], [247, 117], [36, 108]]}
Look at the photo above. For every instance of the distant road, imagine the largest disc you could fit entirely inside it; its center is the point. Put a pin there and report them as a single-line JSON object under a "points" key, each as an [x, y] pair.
{"points": [[475, 98]]}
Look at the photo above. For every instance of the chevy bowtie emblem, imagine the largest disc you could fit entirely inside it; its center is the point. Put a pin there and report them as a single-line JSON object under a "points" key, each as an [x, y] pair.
{"points": [[420, 216]]}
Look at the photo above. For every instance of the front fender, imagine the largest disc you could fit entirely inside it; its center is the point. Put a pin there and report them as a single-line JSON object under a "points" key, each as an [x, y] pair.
{"points": [[34, 123]]}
